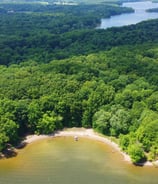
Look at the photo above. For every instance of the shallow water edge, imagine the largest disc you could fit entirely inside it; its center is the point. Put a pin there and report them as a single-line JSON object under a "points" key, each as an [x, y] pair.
{"points": [[87, 133]]}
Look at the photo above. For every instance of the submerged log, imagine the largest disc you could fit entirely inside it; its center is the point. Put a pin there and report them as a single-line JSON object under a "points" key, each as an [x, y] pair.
{"points": [[21, 145]]}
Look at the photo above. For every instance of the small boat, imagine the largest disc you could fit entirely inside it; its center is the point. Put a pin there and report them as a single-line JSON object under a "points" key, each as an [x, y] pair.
{"points": [[76, 138]]}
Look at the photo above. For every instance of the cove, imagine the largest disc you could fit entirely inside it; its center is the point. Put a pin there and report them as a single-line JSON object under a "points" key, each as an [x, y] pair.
{"points": [[62, 160], [139, 15]]}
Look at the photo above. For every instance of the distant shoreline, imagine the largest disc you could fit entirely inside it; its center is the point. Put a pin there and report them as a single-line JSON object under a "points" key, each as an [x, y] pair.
{"points": [[82, 132]]}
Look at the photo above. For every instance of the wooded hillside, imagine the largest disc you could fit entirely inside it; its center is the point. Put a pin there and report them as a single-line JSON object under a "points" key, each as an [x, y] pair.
{"points": [[108, 79]]}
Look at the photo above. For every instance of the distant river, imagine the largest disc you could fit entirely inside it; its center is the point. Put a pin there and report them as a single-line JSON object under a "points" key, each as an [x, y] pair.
{"points": [[65, 161], [139, 15]]}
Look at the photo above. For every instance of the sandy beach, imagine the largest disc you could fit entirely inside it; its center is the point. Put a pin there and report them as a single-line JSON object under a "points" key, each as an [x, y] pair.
{"points": [[82, 132]]}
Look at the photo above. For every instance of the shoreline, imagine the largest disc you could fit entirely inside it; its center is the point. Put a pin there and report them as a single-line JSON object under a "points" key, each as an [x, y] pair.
{"points": [[82, 132]]}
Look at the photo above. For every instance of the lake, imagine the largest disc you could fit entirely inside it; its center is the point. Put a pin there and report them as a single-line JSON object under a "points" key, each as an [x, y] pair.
{"points": [[62, 160], [139, 15]]}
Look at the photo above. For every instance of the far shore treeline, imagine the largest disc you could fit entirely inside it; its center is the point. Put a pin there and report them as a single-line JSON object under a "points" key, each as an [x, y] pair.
{"points": [[58, 71]]}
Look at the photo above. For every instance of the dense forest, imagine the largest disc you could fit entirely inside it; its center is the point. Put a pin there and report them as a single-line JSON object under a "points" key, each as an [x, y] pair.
{"points": [[62, 74], [43, 33]]}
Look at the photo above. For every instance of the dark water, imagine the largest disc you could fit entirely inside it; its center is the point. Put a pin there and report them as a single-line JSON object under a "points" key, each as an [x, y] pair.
{"points": [[139, 15], [64, 161]]}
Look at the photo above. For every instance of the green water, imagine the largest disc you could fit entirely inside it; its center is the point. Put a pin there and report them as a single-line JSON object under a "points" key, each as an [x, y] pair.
{"points": [[64, 161]]}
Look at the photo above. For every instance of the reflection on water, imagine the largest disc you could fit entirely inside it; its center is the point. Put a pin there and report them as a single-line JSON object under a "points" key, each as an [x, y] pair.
{"points": [[65, 161], [139, 15]]}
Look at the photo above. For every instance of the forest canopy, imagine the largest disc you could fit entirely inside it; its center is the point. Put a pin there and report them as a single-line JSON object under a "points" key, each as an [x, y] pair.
{"points": [[114, 91], [44, 33]]}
